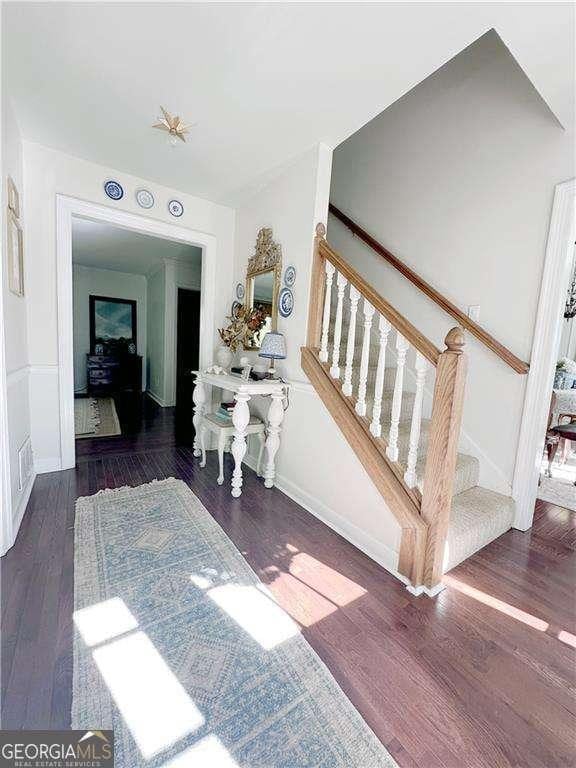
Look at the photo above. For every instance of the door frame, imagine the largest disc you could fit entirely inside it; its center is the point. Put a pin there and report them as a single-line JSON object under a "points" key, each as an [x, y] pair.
{"points": [[555, 276], [68, 207]]}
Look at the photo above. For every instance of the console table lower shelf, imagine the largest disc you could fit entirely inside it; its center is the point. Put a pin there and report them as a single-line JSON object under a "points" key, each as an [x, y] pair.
{"points": [[243, 391]]}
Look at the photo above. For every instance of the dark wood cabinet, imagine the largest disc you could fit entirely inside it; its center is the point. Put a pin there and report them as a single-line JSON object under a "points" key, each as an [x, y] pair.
{"points": [[106, 374]]}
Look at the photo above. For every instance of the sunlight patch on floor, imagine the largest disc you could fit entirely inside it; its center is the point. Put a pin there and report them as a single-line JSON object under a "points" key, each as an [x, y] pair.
{"points": [[494, 602], [154, 705], [302, 602], [103, 621], [567, 637], [207, 753], [332, 584]]}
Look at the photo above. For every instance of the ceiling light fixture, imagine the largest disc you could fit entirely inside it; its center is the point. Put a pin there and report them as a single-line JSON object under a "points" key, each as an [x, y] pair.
{"points": [[173, 126]]}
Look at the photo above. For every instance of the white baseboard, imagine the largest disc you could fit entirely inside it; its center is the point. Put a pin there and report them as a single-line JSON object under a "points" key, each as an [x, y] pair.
{"points": [[363, 541], [47, 465], [157, 399], [21, 509]]}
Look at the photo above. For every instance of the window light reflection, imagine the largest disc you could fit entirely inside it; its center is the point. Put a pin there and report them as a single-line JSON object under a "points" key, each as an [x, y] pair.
{"points": [[499, 605], [567, 637], [154, 705], [207, 753], [103, 621], [255, 610]]}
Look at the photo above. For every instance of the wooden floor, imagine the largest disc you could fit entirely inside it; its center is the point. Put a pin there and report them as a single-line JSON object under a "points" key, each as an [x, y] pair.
{"points": [[482, 676]]}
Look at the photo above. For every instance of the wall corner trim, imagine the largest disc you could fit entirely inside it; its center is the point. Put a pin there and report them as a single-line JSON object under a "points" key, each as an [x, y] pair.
{"points": [[547, 331]]}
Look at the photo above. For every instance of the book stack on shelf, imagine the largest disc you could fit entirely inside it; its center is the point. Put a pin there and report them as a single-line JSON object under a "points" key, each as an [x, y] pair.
{"points": [[224, 412]]}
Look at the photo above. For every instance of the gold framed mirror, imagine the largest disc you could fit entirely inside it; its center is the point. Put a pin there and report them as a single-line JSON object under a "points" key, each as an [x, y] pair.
{"points": [[263, 283]]}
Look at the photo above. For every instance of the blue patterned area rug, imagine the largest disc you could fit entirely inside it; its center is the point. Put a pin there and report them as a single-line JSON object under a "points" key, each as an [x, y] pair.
{"points": [[182, 651]]}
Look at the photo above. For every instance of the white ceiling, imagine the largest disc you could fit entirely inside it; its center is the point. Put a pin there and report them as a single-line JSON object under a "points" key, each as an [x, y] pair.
{"points": [[264, 81], [95, 244]]}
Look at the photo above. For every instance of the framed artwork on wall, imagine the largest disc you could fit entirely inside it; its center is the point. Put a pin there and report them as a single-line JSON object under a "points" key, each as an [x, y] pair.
{"points": [[112, 324], [15, 254]]}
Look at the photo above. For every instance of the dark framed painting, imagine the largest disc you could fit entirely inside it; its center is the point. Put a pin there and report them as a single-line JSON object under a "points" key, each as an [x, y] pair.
{"points": [[112, 324]]}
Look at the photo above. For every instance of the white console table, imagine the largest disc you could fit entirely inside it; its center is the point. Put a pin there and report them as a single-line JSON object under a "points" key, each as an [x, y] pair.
{"points": [[244, 390]]}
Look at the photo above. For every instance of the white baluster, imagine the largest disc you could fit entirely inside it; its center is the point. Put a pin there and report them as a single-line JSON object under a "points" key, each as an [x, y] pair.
{"points": [[401, 349], [335, 367], [347, 385], [329, 269], [361, 402], [384, 329], [421, 368]]}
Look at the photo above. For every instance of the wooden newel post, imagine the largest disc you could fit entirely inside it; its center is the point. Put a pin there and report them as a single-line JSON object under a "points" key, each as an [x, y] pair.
{"points": [[442, 450], [317, 282]]}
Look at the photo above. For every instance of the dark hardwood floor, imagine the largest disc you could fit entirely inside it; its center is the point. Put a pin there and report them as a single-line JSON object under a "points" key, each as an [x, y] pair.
{"points": [[484, 675]]}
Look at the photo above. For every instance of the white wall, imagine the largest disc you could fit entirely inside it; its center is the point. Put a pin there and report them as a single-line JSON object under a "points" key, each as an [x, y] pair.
{"points": [[315, 465], [156, 302], [457, 179], [48, 172], [90, 281], [289, 204], [17, 405]]}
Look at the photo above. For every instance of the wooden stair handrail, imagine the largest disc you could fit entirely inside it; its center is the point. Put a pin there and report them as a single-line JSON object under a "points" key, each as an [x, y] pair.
{"points": [[409, 331], [465, 322]]}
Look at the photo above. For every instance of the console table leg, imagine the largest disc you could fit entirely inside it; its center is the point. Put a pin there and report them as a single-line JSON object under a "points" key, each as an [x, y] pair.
{"points": [[275, 418], [199, 398], [240, 419]]}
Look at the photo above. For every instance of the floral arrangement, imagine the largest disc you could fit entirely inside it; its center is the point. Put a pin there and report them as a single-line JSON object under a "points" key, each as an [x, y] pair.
{"points": [[565, 364], [244, 323]]}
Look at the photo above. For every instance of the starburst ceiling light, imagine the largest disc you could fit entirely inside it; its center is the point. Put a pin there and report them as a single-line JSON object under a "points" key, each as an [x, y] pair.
{"points": [[173, 126]]}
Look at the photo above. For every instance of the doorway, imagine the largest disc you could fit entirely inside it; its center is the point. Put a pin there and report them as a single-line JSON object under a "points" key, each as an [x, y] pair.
{"points": [[69, 208], [187, 359], [557, 483]]}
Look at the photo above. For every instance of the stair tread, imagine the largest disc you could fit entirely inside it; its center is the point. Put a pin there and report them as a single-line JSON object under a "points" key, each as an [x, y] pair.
{"points": [[478, 516], [465, 476]]}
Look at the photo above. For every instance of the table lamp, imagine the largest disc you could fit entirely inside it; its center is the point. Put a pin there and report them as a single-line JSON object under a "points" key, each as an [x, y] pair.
{"points": [[274, 347]]}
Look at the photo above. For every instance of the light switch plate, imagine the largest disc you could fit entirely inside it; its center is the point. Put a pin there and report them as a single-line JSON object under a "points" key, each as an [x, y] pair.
{"points": [[474, 312]]}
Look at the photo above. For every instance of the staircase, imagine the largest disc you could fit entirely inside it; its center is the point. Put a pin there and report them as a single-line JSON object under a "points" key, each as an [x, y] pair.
{"points": [[398, 401]]}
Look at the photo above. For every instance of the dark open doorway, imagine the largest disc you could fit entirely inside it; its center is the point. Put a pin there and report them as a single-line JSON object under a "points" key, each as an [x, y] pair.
{"points": [[187, 355]]}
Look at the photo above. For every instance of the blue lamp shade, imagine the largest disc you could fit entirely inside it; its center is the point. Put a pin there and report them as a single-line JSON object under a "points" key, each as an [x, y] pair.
{"points": [[273, 346]]}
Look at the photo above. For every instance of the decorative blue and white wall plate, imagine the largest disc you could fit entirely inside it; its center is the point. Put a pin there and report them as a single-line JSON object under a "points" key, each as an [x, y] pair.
{"points": [[113, 189], [176, 208], [285, 302], [240, 291], [236, 305], [144, 198], [290, 276]]}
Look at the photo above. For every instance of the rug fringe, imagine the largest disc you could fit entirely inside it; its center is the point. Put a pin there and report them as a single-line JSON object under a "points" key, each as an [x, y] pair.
{"points": [[124, 488]]}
